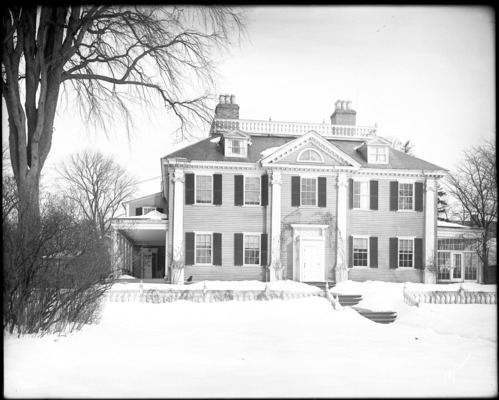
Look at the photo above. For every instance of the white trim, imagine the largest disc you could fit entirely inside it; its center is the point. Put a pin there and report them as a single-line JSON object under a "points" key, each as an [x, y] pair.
{"points": [[363, 180], [195, 244], [310, 161], [368, 251], [372, 154], [406, 182], [316, 191], [227, 146], [259, 235], [196, 189]]}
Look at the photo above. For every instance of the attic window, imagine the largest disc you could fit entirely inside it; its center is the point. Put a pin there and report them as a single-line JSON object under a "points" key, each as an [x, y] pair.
{"points": [[377, 154], [310, 155], [236, 147]]}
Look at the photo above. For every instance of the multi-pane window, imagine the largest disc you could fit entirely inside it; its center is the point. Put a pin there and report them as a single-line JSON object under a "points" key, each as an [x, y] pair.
{"points": [[406, 196], [470, 266], [203, 189], [378, 154], [310, 156], [361, 194], [406, 252], [360, 252], [251, 190], [251, 249], [146, 210], [203, 248], [237, 147], [308, 191], [443, 265]]}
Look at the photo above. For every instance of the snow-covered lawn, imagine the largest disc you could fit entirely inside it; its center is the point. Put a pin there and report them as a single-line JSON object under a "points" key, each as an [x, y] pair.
{"points": [[294, 348]]}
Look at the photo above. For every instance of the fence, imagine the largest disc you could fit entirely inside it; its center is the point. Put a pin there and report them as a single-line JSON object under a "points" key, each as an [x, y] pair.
{"points": [[445, 297]]}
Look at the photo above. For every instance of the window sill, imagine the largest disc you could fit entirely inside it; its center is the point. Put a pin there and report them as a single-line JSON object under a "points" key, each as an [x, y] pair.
{"points": [[361, 267], [251, 265], [406, 268], [362, 209], [407, 211]]}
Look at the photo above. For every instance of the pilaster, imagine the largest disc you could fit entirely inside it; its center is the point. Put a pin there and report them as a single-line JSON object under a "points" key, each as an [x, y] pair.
{"points": [[430, 227], [178, 220], [341, 271], [275, 227]]}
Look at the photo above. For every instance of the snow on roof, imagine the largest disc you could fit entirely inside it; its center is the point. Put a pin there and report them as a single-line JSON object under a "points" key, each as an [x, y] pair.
{"points": [[267, 152], [444, 224], [155, 214], [216, 140]]}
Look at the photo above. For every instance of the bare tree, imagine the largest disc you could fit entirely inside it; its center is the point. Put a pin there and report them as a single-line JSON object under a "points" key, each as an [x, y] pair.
{"points": [[112, 57], [404, 146], [474, 185], [97, 185]]}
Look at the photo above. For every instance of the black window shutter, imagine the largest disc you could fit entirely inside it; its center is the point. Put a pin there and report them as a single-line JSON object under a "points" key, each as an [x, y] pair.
{"points": [[350, 251], [189, 248], [373, 252], [159, 209], [394, 253], [394, 196], [264, 191], [418, 253], [138, 211], [217, 249], [295, 191], [238, 190], [189, 189], [264, 249], [238, 249], [350, 193], [322, 183], [373, 194], [418, 192], [217, 189]]}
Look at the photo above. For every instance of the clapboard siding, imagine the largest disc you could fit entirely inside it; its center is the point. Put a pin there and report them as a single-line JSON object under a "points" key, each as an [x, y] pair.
{"points": [[292, 157], [215, 273], [307, 215], [226, 219], [384, 224], [154, 200], [385, 275]]}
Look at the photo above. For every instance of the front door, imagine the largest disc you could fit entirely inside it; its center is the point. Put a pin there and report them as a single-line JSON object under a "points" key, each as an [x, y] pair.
{"points": [[312, 261], [456, 271]]}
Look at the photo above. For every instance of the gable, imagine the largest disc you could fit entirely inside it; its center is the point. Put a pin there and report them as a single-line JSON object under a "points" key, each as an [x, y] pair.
{"points": [[322, 152]]}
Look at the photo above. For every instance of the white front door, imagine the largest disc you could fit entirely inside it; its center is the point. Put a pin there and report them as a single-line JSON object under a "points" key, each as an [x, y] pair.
{"points": [[456, 272], [312, 261]]}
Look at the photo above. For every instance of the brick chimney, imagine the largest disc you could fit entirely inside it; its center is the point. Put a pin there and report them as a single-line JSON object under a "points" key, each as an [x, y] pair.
{"points": [[343, 113], [227, 107]]}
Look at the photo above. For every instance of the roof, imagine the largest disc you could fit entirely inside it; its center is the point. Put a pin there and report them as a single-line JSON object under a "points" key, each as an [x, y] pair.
{"points": [[209, 150]]}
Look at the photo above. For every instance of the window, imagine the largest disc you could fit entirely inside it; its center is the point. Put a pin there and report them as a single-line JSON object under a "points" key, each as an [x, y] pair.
{"points": [[236, 147], [406, 196], [252, 190], [203, 248], [360, 252], [251, 249], [361, 194], [203, 189], [378, 155], [308, 191], [310, 155], [406, 253], [146, 210]]}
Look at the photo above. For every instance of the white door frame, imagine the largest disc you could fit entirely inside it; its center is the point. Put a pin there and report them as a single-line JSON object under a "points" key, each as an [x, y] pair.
{"points": [[452, 266], [307, 233]]}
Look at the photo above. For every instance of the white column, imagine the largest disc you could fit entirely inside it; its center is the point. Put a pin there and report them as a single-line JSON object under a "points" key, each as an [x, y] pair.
{"points": [[178, 218], [341, 271], [430, 228], [115, 250], [275, 227]]}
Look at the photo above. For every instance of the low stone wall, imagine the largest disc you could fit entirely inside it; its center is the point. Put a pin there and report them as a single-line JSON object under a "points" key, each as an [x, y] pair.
{"points": [[204, 295], [446, 297]]}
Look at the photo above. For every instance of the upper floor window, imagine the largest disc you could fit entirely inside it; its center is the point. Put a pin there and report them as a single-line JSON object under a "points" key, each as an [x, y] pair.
{"points": [[377, 154], [252, 190], [308, 191], [361, 194], [146, 210], [236, 147], [310, 155], [204, 189], [406, 196]]}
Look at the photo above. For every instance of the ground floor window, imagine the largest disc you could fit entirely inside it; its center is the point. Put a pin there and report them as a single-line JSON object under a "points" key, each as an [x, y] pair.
{"points": [[251, 249], [360, 252], [457, 259], [203, 248], [406, 253]]}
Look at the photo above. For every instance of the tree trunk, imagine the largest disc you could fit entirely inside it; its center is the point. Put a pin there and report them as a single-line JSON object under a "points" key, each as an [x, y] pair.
{"points": [[29, 205]]}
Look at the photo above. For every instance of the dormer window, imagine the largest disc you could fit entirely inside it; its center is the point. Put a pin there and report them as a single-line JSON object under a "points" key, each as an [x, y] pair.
{"points": [[236, 147], [310, 156], [235, 143], [377, 154]]}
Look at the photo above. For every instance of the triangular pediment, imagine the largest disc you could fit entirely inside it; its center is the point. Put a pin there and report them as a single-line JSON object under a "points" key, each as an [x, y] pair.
{"points": [[236, 134], [310, 149], [375, 141]]}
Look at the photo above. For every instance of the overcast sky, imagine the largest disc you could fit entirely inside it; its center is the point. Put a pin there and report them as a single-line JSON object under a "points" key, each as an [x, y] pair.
{"points": [[421, 73]]}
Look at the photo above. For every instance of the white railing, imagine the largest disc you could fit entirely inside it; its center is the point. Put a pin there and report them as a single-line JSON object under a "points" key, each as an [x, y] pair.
{"points": [[291, 128], [461, 297]]}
